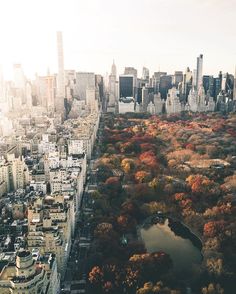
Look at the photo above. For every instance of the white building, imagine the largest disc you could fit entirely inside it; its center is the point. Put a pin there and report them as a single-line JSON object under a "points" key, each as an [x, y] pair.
{"points": [[199, 71], [173, 104], [158, 103], [126, 105], [39, 186], [192, 100], [211, 105], [151, 108], [76, 146], [27, 275]]}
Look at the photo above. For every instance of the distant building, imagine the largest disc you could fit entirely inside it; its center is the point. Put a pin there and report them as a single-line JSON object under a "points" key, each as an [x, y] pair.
{"points": [[84, 81], [227, 84], [208, 84], [158, 103], [165, 85], [91, 101], [186, 84], [70, 82], [46, 92], [145, 99], [126, 105], [145, 74], [173, 104], [126, 86], [131, 71], [156, 80], [199, 70], [112, 90], [217, 86], [177, 78]]}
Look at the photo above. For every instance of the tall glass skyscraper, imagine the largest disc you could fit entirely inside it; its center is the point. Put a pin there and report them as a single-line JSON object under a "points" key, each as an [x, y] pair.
{"points": [[126, 86]]}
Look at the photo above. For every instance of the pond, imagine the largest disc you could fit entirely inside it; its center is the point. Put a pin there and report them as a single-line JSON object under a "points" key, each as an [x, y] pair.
{"points": [[165, 234]]}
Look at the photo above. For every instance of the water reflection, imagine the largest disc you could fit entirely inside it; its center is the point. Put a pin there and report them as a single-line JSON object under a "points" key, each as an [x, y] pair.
{"points": [[160, 237]]}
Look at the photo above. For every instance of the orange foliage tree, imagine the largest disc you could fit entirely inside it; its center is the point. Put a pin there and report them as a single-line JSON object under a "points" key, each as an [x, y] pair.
{"points": [[200, 184], [142, 176], [149, 158], [213, 228]]}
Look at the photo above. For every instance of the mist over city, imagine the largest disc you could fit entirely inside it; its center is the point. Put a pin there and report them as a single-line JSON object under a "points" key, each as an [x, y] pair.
{"points": [[117, 147]]}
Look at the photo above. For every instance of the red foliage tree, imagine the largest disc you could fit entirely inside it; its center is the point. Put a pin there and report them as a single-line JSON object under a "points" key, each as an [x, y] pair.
{"points": [[149, 158], [213, 228], [203, 185]]}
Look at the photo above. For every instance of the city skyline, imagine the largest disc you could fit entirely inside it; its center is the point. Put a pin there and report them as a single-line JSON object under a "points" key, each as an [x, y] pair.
{"points": [[158, 35]]}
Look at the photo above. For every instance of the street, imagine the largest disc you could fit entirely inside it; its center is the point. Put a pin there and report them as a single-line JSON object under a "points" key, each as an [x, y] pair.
{"points": [[76, 273]]}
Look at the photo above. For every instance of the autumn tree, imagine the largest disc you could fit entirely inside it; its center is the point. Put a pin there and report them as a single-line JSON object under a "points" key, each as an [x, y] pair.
{"points": [[149, 158], [159, 287], [113, 186], [126, 223], [153, 207], [127, 165], [142, 176], [202, 185], [151, 265], [106, 279], [213, 228]]}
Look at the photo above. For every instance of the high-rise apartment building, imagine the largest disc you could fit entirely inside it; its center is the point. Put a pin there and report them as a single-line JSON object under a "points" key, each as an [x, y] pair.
{"points": [[199, 70]]}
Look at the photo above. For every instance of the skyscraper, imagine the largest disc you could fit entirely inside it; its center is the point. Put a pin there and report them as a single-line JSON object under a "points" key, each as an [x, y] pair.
{"points": [[112, 87], [113, 69], [145, 75], [186, 84], [165, 85], [177, 78], [156, 80], [126, 86], [208, 84], [61, 74], [199, 70]]}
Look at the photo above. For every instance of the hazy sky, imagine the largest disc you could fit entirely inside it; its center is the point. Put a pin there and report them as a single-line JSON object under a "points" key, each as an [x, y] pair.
{"points": [[165, 34]]}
